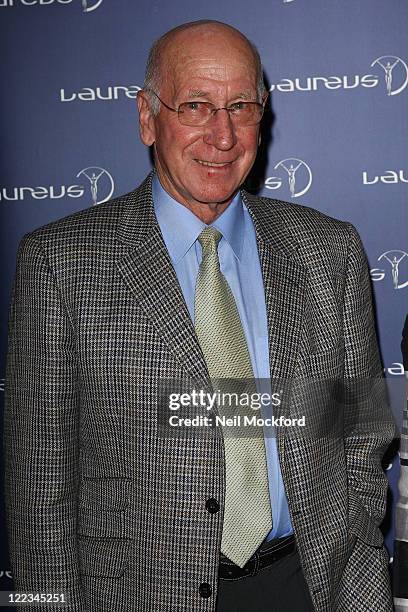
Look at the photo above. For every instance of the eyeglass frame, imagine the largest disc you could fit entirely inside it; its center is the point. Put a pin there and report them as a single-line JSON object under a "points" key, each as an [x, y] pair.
{"points": [[214, 110]]}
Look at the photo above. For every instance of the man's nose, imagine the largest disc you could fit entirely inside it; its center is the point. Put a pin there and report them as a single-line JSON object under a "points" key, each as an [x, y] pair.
{"points": [[220, 131]]}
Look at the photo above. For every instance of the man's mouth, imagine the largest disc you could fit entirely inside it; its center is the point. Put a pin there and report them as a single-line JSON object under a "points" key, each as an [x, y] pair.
{"points": [[213, 164]]}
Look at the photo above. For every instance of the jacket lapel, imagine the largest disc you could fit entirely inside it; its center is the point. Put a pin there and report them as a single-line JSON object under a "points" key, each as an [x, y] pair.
{"points": [[285, 283], [147, 270], [285, 289]]}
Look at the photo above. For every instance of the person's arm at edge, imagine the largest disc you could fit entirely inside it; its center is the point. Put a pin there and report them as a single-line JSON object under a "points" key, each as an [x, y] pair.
{"points": [[369, 423], [41, 434], [400, 564]]}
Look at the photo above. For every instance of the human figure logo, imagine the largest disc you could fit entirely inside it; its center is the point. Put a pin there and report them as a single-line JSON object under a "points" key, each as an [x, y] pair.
{"points": [[90, 5], [292, 165], [394, 258], [388, 63], [94, 174]]}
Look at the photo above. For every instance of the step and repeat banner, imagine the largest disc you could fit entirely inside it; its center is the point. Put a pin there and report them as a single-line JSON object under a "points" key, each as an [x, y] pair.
{"points": [[338, 77]]}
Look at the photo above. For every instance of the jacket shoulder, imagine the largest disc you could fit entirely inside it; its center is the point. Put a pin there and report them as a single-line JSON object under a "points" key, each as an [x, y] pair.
{"points": [[319, 239], [90, 224], [300, 216]]}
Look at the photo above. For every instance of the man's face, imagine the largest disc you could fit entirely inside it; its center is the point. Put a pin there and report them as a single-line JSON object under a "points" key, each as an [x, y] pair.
{"points": [[220, 71]]}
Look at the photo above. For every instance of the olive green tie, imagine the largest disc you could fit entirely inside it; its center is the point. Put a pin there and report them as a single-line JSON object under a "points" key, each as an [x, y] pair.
{"points": [[247, 514]]}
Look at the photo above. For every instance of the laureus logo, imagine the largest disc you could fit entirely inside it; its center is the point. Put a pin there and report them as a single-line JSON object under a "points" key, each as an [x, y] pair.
{"points": [[107, 92], [101, 183], [390, 177], [390, 68], [94, 178], [394, 258], [299, 176], [395, 369], [391, 64], [89, 6]]}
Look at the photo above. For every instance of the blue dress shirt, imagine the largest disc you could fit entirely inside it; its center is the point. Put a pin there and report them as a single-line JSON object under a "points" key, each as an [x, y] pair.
{"points": [[239, 262]]}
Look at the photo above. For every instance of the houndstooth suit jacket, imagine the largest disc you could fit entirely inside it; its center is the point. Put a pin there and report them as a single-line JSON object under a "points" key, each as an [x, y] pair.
{"points": [[102, 508]]}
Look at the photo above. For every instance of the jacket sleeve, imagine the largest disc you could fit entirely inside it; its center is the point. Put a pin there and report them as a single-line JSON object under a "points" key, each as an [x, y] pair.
{"points": [[41, 434], [400, 565], [369, 426]]}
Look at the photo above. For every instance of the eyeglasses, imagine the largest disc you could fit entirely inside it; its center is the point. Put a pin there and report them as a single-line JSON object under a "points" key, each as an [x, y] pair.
{"points": [[195, 113]]}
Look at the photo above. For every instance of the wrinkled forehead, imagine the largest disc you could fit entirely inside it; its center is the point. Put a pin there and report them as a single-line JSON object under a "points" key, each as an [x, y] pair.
{"points": [[218, 64]]}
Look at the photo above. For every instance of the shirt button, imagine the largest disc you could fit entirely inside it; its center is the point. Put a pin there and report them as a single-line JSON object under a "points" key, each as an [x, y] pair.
{"points": [[212, 505], [205, 590]]}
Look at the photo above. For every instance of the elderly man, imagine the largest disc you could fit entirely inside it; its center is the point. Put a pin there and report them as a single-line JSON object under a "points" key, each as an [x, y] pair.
{"points": [[190, 279]]}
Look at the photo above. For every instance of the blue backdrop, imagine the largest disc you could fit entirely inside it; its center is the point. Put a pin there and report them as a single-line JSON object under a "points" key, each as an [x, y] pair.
{"points": [[338, 74]]}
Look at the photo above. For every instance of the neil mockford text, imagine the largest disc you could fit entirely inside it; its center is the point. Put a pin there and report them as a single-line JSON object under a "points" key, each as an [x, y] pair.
{"points": [[212, 401]]}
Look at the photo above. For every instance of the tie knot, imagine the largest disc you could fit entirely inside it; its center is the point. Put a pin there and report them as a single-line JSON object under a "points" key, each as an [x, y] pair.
{"points": [[209, 239]]}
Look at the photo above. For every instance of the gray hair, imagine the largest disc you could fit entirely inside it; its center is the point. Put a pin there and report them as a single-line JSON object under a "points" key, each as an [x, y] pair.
{"points": [[153, 74]]}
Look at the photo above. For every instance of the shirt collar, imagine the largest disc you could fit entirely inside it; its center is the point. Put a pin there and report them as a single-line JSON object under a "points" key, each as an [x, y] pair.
{"points": [[180, 227]]}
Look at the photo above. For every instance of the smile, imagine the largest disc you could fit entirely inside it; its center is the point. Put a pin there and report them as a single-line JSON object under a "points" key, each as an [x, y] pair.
{"points": [[213, 164]]}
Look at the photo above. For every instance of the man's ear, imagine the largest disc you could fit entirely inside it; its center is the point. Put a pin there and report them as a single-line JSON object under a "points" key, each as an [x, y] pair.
{"points": [[259, 138], [146, 119]]}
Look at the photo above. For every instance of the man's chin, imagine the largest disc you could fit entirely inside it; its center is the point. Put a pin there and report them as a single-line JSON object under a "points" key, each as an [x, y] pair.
{"points": [[215, 195]]}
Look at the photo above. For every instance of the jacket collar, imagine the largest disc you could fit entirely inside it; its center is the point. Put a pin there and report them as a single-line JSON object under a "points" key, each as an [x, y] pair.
{"points": [[147, 270], [139, 221]]}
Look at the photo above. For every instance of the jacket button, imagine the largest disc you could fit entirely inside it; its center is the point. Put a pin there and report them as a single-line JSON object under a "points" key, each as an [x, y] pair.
{"points": [[212, 505], [205, 590]]}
